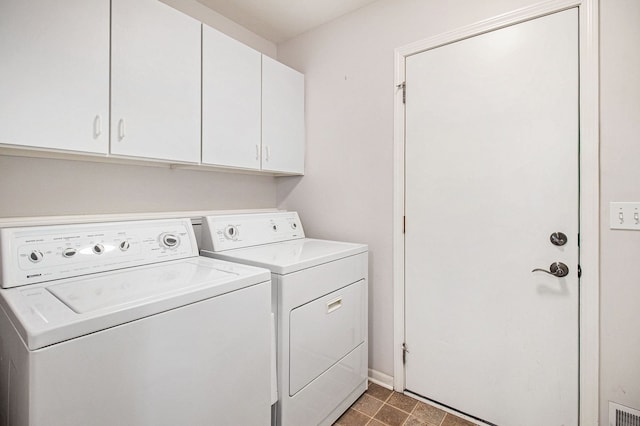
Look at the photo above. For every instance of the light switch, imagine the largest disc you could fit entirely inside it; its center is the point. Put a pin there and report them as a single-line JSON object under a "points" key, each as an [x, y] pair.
{"points": [[624, 215]]}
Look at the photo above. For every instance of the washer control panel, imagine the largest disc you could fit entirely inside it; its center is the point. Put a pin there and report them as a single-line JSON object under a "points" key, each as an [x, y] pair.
{"points": [[228, 232], [44, 253]]}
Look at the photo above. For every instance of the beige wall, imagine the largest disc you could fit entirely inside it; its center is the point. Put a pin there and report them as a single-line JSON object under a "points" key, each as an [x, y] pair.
{"points": [[46, 187], [37, 187], [620, 181], [347, 191], [223, 24]]}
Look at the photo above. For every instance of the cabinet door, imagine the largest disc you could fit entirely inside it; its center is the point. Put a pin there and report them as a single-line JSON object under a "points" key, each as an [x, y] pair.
{"points": [[231, 90], [54, 74], [155, 81], [282, 118]]}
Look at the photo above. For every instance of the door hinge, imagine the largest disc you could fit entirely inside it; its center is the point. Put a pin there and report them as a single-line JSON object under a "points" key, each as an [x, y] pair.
{"points": [[405, 351], [404, 224], [579, 271], [403, 86]]}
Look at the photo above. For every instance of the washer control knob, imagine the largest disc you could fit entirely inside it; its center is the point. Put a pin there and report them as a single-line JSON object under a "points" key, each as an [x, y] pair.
{"points": [[124, 245], [294, 225], [275, 228], [98, 248], [231, 232], [169, 240], [69, 252], [36, 256]]}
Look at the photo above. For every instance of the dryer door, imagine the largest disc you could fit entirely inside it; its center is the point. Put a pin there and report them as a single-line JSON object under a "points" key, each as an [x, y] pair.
{"points": [[323, 331]]}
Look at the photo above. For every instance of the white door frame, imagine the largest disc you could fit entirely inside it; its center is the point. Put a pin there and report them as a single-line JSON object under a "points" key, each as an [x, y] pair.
{"points": [[589, 186]]}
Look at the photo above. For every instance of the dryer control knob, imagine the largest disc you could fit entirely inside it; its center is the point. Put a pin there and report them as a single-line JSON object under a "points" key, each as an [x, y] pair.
{"points": [[36, 256], [231, 232], [98, 249], [124, 245], [169, 240]]}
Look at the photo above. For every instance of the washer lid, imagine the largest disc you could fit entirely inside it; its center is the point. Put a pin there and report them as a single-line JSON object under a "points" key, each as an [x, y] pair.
{"points": [[291, 256], [121, 289], [45, 314]]}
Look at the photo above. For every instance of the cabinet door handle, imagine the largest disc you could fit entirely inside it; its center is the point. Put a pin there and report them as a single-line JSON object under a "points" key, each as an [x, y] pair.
{"points": [[97, 126], [257, 152], [267, 152], [121, 129]]}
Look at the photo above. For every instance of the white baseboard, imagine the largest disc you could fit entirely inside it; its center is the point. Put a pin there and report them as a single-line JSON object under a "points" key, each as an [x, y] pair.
{"points": [[381, 379]]}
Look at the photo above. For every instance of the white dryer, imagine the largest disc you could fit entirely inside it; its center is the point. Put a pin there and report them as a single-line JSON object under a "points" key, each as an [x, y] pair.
{"points": [[124, 324], [320, 300]]}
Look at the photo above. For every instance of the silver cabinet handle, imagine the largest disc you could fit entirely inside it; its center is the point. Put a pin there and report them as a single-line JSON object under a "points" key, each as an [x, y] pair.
{"points": [[257, 152], [268, 152], [557, 269], [121, 129], [97, 126]]}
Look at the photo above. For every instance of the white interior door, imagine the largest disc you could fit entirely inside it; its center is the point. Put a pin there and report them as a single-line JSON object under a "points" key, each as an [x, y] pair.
{"points": [[491, 172]]}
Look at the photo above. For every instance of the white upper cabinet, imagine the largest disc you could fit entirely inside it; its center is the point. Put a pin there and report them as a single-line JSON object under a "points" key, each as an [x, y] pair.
{"points": [[54, 74], [231, 91], [139, 79], [282, 118], [155, 81]]}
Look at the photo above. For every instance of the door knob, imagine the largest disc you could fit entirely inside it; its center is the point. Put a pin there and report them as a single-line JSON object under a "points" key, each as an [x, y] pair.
{"points": [[558, 239], [557, 269]]}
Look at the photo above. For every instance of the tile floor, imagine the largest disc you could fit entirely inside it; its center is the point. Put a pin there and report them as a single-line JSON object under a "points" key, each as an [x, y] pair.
{"points": [[380, 406]]}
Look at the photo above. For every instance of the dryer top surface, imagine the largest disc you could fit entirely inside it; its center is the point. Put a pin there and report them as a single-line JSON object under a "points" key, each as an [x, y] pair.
{"points": [[291, 256]]}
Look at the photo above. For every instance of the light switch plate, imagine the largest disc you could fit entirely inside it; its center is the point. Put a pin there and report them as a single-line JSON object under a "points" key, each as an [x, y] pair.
{"points": [[624, 215]]}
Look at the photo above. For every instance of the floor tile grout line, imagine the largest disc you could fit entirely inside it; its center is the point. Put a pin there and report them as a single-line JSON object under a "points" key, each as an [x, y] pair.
{"points": [[445, 416], [409, 413], [378, 410], [383, 404]]}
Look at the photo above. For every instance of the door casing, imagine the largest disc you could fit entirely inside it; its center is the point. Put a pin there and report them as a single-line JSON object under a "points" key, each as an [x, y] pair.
{"points": [[588, 182]]}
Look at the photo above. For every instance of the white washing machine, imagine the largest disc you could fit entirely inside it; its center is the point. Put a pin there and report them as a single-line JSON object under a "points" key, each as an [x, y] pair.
{"points": [[124, 324], [320, 300]]}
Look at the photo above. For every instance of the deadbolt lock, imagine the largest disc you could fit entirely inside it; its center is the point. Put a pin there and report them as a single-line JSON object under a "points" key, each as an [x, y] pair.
{"points": [[558, 239]]}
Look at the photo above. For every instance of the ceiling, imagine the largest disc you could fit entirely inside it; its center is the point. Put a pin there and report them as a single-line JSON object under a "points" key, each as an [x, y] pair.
{"points": [[280, 20]]}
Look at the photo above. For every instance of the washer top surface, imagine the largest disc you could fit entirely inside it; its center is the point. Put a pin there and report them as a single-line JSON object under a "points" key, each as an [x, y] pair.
{"points": [[290, 256], [49, 313], [62, 282]]}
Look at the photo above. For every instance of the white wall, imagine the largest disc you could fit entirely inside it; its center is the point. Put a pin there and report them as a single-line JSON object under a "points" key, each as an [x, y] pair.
{"points": [[346, 193], [620, 181], [37, 187]]}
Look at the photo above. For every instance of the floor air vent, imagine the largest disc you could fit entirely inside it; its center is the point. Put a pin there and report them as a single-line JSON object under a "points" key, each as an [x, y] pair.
{"points": [[619, 415]]}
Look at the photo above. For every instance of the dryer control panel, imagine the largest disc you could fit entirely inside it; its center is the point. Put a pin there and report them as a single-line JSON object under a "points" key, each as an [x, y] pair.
{"points": [[227, 232], [44, 253]]}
